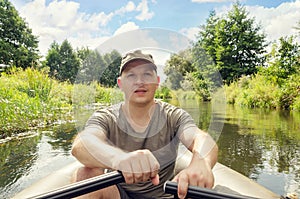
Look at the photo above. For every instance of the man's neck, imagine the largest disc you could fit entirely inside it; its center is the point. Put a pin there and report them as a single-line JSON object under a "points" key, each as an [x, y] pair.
{"points": [[139, 115]]}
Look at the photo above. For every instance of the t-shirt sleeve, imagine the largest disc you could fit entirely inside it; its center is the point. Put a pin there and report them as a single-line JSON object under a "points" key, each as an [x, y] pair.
{"points": [[99, 120], [183, 121]]}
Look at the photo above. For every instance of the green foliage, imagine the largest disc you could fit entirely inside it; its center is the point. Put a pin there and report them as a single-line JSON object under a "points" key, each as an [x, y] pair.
{"points": [[185, 95], [63, 62], [233, 43], [26, 101], [284, 61], [290, 92], [258, 91], [176, 68], [163, 92], [30, 99], [111, 72], [101, 68], [18, 46], [91, 67]]}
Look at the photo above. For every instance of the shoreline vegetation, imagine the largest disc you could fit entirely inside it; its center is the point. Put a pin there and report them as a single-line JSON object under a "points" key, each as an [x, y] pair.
{"points": [[31, 99]]}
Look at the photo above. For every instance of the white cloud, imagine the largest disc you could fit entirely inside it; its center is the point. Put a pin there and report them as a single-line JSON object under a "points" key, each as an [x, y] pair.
{"points": [[130, 6], [190, 33], [277, 22], [144, 9], [62, 20], [126, 27]]}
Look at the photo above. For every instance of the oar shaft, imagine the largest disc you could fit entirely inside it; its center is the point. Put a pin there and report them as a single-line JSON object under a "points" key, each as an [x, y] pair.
{"points": [[83, 187], [201, 193]]}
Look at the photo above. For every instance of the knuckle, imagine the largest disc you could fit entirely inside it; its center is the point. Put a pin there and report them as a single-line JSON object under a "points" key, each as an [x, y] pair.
{"points": [[138, 176], [128, 178]]}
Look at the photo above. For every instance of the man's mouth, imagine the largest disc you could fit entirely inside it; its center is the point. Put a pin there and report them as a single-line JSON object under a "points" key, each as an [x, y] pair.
{"points": [[140, 90]]}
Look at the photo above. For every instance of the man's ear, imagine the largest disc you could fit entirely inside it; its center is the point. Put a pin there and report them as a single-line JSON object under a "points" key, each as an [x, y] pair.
{"points": [[119, 82], [158, 81]]}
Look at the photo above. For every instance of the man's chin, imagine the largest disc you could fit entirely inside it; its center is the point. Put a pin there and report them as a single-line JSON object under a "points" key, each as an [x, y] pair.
{"points": [[141, 101]]}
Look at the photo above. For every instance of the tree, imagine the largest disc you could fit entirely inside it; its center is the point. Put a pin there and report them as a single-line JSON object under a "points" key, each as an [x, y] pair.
{"points": [[233, 42], [176, 68], [207, 37], [101, 68], [18, 46], [111, 72], [63, 62], [284, 61]]}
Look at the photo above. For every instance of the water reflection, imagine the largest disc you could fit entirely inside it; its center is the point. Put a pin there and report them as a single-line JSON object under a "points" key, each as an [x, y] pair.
{"points": [[14, 162], [24, 161], [62, 137], [263, 145]]}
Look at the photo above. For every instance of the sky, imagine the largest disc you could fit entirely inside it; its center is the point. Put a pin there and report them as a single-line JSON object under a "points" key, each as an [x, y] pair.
{"points": [[90, 23]]}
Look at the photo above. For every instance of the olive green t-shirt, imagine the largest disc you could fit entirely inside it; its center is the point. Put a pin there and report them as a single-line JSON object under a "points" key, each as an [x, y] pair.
{"points": [[161, 137]]}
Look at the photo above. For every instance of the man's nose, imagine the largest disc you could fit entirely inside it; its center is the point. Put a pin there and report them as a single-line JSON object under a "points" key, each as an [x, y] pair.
{"points": [[140, 79]]}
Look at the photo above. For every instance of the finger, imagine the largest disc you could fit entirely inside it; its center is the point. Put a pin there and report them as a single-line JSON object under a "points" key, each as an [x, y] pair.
{"points": [[127, 173], [183, 184], [154, 166], [146, 168], [155, 180], [137, 171], [210, 182], [175, 179], [194, 180]]}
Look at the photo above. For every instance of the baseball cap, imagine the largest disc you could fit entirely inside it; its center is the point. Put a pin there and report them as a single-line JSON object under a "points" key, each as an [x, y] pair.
{"points": [[136, 55]]}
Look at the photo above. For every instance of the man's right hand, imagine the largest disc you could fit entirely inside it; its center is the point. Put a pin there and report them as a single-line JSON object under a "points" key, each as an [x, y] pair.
{"points": [[138, 166]]}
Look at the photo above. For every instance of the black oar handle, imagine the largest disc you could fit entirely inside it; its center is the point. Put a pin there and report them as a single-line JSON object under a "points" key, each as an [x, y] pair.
{"points": [[83, 187], [201, 193]]}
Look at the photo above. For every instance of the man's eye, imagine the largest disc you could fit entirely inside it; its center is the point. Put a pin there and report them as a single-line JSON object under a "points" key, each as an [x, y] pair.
{"points": [[130, 76]]}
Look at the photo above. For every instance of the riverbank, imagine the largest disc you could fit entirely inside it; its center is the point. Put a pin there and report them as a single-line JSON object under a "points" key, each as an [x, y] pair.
{"points": [[30, 99], [263, 91]]}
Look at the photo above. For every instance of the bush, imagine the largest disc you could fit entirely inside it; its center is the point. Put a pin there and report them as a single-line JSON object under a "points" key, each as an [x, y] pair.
{"points": [[253, 92], [26, 101], [290, 92], [163, 92]]}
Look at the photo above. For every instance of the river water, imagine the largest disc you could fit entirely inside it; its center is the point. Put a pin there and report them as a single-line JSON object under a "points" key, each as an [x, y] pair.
{"points": [[261, 144]]}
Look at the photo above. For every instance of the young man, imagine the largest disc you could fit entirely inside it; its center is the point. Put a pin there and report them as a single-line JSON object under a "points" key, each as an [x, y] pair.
{"points": [[140, 138]]}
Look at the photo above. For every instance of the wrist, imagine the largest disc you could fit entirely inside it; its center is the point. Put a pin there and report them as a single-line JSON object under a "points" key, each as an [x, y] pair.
{"points": [[198, 157]]}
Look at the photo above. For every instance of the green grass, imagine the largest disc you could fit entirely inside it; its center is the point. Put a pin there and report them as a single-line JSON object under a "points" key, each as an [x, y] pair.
{"points": [[258, 91], [30, 99]]}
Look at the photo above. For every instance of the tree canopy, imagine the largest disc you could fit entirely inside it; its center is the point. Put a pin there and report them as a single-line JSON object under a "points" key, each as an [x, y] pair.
{"points": [[62, 61], [101, 68], [18, 46], [234, 42]]}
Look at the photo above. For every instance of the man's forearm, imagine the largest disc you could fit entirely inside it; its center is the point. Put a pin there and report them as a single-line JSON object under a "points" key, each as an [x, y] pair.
{"points": [[94, 151], [203, 146]]}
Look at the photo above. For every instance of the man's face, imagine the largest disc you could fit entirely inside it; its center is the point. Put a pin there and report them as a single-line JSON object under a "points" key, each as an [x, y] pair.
{"points": [[139, 82]]}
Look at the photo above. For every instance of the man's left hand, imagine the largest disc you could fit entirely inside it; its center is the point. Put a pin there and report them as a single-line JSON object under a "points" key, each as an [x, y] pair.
{"points": [[198, 173]]}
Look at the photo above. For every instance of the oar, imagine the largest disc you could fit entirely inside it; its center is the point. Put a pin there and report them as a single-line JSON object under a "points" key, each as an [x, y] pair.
{"points": [[83, 187], [115, 177], [201, 193]]}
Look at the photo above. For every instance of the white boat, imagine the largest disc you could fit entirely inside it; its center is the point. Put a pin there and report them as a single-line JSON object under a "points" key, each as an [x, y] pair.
{"points": [[226, 181]]}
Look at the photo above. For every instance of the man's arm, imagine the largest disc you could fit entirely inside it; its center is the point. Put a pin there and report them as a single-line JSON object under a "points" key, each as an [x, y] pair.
{"points": [[199, 171], [91, 149]]}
